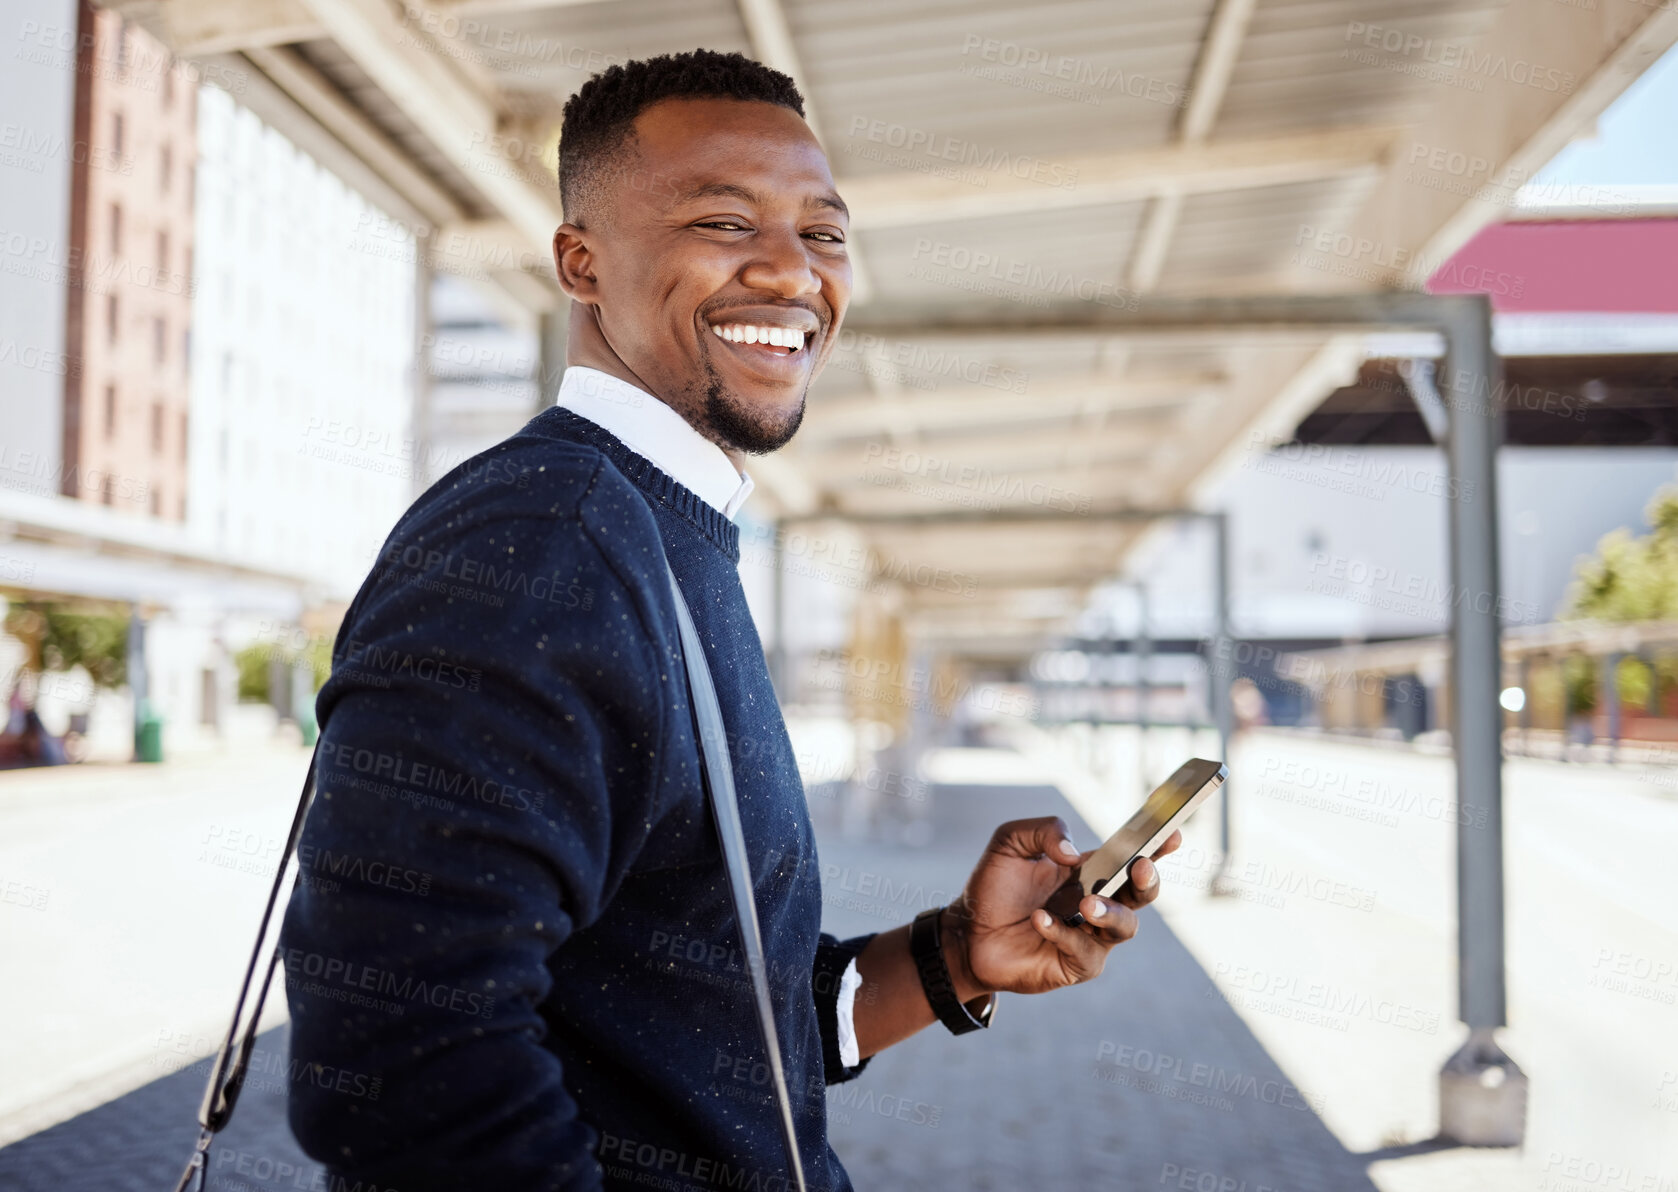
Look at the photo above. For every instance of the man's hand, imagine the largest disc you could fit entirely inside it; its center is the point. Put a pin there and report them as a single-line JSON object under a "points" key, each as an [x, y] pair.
{"points": [[1005, 941]]}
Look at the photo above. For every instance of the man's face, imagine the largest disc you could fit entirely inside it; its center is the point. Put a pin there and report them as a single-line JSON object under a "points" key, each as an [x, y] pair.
{"points": [[725, 229]]}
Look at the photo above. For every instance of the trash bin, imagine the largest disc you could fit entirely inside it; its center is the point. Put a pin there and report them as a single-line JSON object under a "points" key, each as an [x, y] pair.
{"points": [[148, 735]]}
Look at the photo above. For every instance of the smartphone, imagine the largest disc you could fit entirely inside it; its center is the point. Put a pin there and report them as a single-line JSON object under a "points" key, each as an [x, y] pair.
{"points": [[1105, 871]]}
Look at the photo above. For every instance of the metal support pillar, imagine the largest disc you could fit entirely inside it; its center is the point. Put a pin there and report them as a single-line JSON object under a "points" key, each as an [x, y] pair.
{"points": [[423, 417], [1525, 714], [1482, 1093], [1144, 658], [779, 657], [1221, 673], [1611, 699], [139, 678]]}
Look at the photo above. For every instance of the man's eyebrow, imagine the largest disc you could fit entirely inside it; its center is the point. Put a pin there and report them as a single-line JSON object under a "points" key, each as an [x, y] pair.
{"points": [[829, 201], [733, 190], [721, 190]]}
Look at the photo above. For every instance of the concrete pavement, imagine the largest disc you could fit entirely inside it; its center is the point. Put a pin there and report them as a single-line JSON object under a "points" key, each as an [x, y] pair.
{"points": [[1285, 1039], [1131, 1082], [1339, 950]]}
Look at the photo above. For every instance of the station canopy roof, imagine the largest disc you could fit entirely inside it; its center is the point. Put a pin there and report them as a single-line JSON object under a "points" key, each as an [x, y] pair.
{"points": [[1034, 158]]}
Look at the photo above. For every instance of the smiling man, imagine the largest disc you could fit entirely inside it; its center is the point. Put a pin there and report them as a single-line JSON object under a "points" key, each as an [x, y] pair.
{"points": [[512, 962]]}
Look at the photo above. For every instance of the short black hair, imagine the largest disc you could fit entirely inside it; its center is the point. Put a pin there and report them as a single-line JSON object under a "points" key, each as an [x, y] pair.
{"points": [[599, 123]]}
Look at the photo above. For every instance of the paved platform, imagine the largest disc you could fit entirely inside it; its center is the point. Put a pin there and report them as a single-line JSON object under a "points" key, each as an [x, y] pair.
{"points": [[1135, 1081]]}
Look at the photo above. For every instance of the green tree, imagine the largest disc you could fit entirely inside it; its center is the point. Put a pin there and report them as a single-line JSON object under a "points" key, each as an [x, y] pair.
{"points": [[59, 640], [253, 662], [1632, 578]]}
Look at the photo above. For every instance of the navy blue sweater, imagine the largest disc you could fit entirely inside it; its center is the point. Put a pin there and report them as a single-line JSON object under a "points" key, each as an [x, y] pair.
{"points": [[511, 960]]}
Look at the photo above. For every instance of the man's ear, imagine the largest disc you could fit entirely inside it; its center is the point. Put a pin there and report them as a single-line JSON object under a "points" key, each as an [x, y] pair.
{"points": [[574, 263]]}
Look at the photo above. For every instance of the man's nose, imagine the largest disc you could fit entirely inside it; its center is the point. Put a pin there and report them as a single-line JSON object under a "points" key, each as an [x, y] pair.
{"points": [[780, 265]]}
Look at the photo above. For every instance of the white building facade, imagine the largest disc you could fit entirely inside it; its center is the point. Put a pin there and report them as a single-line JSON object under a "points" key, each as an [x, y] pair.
{"points": [[304, 449]]}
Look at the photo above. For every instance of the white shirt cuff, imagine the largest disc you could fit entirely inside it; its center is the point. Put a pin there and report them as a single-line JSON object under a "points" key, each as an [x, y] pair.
{"points": [[848, 985]]}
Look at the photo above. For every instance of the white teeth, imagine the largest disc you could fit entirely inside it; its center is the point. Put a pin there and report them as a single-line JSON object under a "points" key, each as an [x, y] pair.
{"points": [[743, 333]]}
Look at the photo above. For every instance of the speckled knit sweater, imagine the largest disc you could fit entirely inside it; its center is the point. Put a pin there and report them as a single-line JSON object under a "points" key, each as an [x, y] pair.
{"points": [[511, 960]]}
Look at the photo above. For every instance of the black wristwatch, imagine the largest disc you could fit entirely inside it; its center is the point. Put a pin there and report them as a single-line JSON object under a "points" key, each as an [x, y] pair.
{"points": [[926, 945]]}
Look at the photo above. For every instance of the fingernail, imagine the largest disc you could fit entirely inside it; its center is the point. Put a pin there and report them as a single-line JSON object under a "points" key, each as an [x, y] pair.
{"points": [[1042, 918], [1099, 912], [1070, 849]]}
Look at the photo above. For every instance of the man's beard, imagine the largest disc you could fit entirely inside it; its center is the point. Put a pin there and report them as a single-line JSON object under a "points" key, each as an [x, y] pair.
{"points": [[742, 427]]}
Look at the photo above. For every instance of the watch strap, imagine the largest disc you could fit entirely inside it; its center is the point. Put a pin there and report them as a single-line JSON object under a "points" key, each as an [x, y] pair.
{"points": [[926, 945]]}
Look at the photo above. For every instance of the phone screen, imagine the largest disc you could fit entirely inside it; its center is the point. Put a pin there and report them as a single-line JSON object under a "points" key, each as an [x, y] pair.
{"points": [[1144, 829]]}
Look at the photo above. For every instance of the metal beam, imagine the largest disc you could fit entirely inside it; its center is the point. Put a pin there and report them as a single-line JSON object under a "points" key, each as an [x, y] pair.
{"points": [[991, 456], [322, 100], [497, 7], [1212, 73], [194, 28], [772, 45], [1010, 517], [279, 109], [1327, 313], [458, 117], [902, 199], [838, 419]]}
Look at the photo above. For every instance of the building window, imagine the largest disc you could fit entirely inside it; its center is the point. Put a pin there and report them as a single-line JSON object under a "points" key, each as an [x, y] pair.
{"points": [[116, 229], [183, 451], [156, 503], [111, 317], [110, 411], [116, 134], [108, 491], [165, 166], [168, 88], [157, 426], [159, 335], [163, 254]]}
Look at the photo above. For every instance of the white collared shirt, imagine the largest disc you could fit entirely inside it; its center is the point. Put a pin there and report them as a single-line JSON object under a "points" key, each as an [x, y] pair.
{"points": [[656, 432], [653, 430]]}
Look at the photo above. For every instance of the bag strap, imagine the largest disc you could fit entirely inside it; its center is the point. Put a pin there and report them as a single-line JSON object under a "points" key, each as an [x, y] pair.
{"points": [[227, 1074], [718, 774]]}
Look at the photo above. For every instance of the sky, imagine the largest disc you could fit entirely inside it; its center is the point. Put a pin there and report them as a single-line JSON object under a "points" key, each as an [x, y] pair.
{"points": [[1637, 137]]}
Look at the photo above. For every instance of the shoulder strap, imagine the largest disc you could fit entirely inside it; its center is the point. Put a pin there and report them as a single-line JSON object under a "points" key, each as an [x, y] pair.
{"points": [[719, 788], [227, 1074]]}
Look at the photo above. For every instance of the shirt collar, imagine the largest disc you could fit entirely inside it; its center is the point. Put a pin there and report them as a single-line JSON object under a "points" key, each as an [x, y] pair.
{"points": [[652, 429]]}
